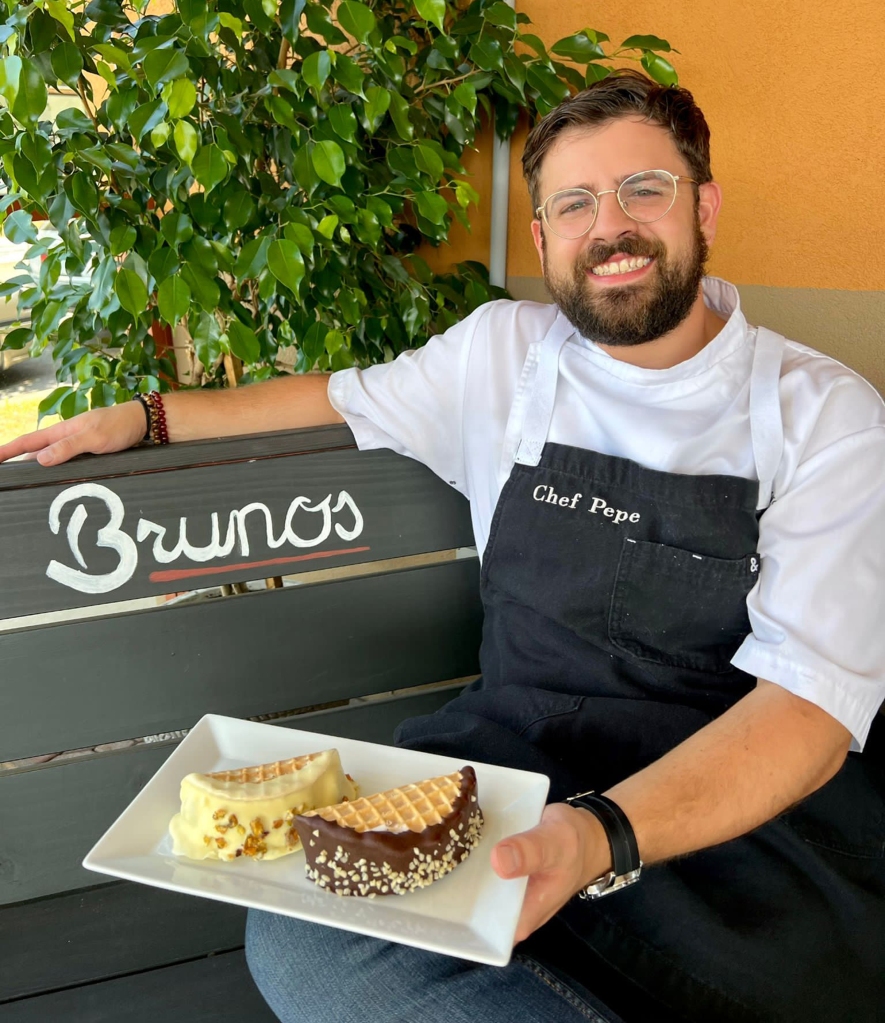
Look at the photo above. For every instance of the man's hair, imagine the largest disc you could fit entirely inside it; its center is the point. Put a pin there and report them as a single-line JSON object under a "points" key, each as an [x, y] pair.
{"points": [[624, 93]]}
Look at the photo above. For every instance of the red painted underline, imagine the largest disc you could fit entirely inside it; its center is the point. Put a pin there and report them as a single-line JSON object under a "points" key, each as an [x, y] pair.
{"points": [[171, 575]]}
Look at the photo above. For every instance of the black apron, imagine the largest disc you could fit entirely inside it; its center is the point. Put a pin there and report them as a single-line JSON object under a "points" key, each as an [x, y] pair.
{"points": [[615, 598]]}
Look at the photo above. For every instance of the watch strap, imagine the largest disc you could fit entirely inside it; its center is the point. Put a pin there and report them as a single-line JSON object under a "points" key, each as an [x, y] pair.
{"points": [[619, 831]]}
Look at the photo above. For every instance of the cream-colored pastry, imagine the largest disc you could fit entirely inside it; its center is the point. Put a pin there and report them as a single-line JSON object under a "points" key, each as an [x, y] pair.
{"points": [[249, 811]]}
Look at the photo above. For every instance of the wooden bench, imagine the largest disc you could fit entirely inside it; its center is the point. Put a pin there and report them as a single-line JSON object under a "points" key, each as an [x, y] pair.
{"points": [[74, 947]]}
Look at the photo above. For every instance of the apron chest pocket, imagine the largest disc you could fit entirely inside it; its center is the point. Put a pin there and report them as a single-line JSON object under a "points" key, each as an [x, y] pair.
{"points": [[671, 606]]}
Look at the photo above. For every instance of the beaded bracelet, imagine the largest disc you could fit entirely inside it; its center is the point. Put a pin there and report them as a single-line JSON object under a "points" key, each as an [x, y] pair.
{"points": [[155, 417]]}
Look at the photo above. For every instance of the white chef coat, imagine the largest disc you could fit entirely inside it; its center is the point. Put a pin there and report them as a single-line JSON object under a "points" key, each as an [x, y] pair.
{"points": [[818, 611]]}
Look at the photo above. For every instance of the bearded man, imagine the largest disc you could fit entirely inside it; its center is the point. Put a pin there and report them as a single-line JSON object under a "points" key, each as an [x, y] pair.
{"points": [[680, 524]]}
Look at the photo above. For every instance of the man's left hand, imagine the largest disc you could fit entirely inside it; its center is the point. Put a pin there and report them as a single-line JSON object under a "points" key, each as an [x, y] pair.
{"points": [[560, 856]]}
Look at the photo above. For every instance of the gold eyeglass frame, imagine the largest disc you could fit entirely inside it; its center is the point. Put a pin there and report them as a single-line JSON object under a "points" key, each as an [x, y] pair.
{"points": [[541, 211]]}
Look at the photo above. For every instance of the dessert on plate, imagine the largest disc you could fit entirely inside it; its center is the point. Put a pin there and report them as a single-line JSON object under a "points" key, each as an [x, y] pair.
{"points": [[249, 811], [392, 842]]}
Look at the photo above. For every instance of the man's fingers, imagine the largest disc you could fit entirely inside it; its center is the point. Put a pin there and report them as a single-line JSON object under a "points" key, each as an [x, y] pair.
{"points": [[528, 853], [36, 441]]}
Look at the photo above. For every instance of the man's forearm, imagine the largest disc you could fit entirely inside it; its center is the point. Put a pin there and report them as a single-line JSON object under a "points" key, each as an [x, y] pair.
{"points": [[286, 403], [766, 753]]}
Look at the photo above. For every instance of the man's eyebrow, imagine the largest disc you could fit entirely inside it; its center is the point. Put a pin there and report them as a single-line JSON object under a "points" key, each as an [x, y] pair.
{"points": [[589, 187]]}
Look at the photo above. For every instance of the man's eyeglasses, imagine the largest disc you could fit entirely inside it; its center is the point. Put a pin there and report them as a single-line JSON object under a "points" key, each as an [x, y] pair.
{"points": [[645, 197]]}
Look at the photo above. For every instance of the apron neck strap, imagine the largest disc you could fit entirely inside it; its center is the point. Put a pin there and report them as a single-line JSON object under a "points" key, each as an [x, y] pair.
{"points": [[540, 406], [766, 425]]}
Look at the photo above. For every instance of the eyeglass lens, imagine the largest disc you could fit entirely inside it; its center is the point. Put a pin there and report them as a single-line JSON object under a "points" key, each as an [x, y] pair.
{"points": [[645, 197]]}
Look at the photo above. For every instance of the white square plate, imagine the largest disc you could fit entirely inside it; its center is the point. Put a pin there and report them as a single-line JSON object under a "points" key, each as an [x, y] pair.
{"points": [[471, 913]]}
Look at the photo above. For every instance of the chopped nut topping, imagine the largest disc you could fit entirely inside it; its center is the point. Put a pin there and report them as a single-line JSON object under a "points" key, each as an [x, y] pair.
{"points": [[221, 828], [219, 814], [220, 842], [278, 824], [257, 828], [207, 839], [241, 830], [232, 820]]}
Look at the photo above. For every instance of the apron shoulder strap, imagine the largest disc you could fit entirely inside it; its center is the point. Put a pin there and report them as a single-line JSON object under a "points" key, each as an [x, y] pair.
{"points": [[766, 424]]}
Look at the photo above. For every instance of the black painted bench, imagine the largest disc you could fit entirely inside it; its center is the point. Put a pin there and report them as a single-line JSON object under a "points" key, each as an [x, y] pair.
{"points": [[74, 947]]}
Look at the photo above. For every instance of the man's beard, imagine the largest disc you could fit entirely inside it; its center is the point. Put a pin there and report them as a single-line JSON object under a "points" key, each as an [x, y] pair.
{"points": [[634, 313]]}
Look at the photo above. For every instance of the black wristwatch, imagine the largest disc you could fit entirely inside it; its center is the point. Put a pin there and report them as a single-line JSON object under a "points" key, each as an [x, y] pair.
{"points": [[626, 864]]}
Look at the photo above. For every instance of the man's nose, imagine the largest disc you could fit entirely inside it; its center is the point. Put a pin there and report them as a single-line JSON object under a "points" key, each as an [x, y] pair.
{"points": [[611, 220]]}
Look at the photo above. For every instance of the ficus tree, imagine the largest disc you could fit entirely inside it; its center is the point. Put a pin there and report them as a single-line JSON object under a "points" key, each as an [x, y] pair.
{"points": [[261, 171]]}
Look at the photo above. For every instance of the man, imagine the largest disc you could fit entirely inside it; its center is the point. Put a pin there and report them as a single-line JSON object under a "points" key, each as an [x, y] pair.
{"points": [[680, 520]]}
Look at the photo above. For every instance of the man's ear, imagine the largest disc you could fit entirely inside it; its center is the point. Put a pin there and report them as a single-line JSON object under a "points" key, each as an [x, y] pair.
{"points": [[538, 239], [709, 205]]}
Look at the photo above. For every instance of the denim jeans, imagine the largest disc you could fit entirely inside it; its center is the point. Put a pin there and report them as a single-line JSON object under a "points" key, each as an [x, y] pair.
{"points": [[309, 973]]}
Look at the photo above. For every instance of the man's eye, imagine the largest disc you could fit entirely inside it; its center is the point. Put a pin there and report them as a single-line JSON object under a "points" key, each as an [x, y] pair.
{"points": [[576, 206]]}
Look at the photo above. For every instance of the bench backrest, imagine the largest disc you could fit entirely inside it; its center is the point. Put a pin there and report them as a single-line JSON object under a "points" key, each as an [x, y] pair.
{"points": [[154, 521]]}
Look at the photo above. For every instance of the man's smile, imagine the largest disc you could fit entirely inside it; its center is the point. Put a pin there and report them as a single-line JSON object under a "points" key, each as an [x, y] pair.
{"points": [[624, 268]]}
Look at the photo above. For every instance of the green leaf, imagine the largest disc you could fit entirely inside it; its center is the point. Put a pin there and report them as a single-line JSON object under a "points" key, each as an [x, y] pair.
{"points": [[290, 18], [349, 75], [357, 19], [162, 263], [122, 239], [239, 209], [30, 100], [10, 75], [286, 262], [145, 118], [17, 339], [173, 299], [203, 288], [131, 291], [252, 259], [646, 43], [596, 72], [661, 70], [432, 206], [465, 94], [328, 161], [326, 227], [160, 134], [180, 97], [50, 404], [163, 66], [536, 44], [185, 136], [500, 14], [316, 68], [313, 342], [433, 11], [19, 228], [210, 166], [285, 78], [488, 55], [399, 111], [335, 339], [545, 81], [376, 105], [62, 15], [67, 63], [71, 120], [176, 227], [243, 342], [343, 121], [302, 235], [580, 48], [102, 284], [429, 161]]}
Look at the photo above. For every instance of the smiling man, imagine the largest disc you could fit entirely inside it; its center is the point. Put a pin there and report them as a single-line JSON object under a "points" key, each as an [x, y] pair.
{"points": [[680, 518]]}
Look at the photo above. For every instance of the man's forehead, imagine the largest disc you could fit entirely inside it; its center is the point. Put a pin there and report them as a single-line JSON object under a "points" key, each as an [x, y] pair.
{"points": [[596, 156]]}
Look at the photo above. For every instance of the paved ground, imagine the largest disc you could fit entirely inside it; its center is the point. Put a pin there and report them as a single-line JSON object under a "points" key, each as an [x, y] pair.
{"points": [[28, 377]]}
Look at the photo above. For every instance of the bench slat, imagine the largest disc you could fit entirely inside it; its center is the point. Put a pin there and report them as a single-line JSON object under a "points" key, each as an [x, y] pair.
{"points": [[60, 810], [107, 932], [309, 510], [202, 991], [78, 684]]}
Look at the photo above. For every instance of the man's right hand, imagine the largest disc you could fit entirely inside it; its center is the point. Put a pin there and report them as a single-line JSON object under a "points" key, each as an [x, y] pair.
{"points": [[97, 432]]}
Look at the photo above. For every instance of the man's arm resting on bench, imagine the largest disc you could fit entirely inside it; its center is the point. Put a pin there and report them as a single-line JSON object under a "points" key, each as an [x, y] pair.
{"points": [[768, 752], [286, 403]]}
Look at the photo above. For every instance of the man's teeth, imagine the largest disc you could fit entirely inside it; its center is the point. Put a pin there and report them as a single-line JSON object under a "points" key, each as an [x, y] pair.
{"points": [[622, 266]]}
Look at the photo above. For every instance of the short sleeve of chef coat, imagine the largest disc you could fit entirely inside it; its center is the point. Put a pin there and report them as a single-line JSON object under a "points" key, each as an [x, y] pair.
{"points": [[415, 404], [818, 610]]}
